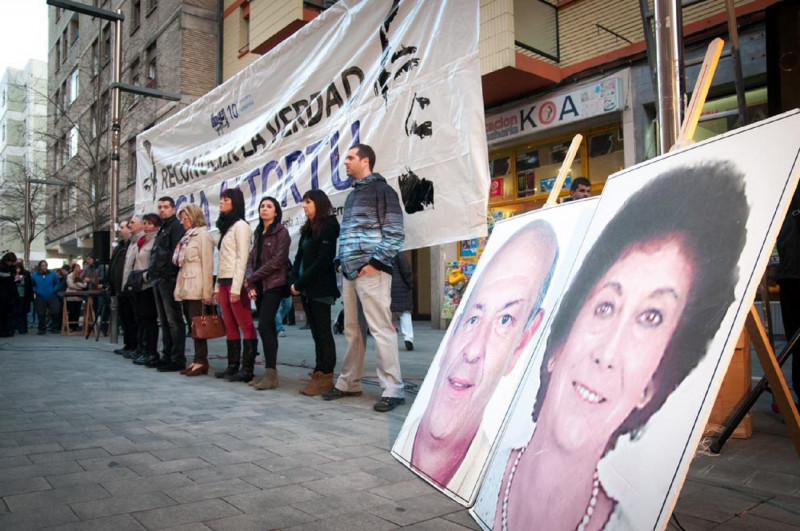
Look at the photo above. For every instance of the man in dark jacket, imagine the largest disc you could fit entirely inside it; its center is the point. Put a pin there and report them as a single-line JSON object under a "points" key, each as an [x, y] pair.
{"points": [[122, 302], [163, 275], [371, 235]]}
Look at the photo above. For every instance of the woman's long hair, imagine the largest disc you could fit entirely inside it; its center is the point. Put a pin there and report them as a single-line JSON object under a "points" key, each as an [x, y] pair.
{"points": [[275, 222], [226, 221], [323, 209]]}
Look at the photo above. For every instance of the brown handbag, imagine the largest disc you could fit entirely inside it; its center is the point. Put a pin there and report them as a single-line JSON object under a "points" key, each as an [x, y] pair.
{"points": [[207, 326]]}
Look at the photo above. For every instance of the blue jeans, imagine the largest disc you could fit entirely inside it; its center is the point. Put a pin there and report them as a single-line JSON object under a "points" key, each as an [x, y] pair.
{"points": [[283, 309]]}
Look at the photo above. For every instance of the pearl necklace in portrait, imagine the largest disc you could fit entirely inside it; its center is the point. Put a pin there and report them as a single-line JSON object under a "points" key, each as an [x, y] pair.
{"points": [[587, 515]]}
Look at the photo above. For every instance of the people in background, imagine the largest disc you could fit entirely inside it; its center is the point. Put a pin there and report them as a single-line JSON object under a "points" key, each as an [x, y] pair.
{"points": [[47, 303], [402, 303]]}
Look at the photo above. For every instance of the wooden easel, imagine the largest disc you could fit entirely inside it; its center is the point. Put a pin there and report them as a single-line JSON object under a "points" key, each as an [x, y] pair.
{"points": [[753, 325]]}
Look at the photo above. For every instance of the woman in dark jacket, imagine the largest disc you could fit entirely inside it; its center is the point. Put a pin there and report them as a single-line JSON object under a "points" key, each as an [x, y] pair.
{"points": [[315, 282], [265, 280]]}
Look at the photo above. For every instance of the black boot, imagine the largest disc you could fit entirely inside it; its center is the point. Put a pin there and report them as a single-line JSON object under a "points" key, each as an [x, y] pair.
{"points": [[234, 351], [249, 353]]}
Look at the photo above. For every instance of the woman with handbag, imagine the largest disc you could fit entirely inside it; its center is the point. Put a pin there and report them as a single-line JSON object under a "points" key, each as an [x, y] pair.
{"points": [[194, 254], [315, 282], [229, 291], [266, 280], [144, 300]]}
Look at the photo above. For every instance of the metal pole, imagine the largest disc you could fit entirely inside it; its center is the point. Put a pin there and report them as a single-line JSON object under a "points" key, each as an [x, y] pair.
{"points": [[26, 244], [114, 177], [668, 81], [733, 33]]}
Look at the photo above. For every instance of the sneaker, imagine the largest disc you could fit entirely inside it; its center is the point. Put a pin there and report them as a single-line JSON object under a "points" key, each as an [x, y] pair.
{"points": [[409, 345], [388, 403], [335, 394], [281, 334]]}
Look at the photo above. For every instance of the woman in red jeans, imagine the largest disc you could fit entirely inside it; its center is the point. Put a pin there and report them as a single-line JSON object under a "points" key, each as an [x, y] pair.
{"points": [[229, 291]]}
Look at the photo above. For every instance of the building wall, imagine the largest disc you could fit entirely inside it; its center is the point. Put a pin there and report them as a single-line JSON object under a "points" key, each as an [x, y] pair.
{"points": [[22, 154], [496, 45], [181, 35]]}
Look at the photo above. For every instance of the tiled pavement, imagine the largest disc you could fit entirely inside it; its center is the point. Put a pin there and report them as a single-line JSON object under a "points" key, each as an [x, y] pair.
{"points": [[89, 441]]}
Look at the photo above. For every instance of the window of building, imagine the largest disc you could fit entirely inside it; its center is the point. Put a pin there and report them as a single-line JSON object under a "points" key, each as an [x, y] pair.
{"points": [[74, 85], [58, 13], [136, 15], [103, 178], [58, 54], [54, 206], [151, 5], [64, 44], [73, 141], [64, 96], [106, 51], [152, 70], [131, 161], [93, 119], [104, 111], [244, 28], [56, 103], [95, 57], [74, 30], [536, 27], [134, 73]]}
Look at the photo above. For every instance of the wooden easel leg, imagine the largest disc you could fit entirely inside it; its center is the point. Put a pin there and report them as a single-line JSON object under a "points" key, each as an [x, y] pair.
{"points": [[780, 391]]}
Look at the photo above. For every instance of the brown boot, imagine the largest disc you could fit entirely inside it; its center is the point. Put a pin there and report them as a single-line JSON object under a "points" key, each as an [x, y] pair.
{"points": [[319, 383], [269, 381]]}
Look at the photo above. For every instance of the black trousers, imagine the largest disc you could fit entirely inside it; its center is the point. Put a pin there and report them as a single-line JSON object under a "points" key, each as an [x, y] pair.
{"points": [[270, 301], [790, 310], [128, 319], [146, 319], [318, 315]]}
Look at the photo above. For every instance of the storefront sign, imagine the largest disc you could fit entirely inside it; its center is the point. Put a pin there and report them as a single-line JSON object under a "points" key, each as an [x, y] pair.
{"points": [[403, 78], [593, 99]]}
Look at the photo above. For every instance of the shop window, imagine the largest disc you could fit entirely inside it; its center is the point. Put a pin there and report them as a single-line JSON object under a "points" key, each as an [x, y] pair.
{"points": [[721, 115], [606, 155]]}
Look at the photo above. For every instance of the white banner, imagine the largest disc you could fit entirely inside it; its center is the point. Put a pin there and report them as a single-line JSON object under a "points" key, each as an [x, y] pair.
{"points": [[402, 77]]}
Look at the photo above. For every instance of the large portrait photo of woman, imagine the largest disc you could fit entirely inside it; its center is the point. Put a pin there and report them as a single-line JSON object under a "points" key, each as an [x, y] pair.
{"points": [[635, 321]]}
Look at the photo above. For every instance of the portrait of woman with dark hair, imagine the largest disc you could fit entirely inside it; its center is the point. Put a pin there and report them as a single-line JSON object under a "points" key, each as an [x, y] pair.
{"points": [[637, 318]]}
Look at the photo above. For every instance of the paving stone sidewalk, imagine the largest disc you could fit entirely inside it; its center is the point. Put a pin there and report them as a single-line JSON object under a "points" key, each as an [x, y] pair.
{"points": [[90, 441]]}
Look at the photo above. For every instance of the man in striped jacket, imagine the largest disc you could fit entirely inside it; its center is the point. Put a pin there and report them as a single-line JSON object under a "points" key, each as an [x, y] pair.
{"points": [[371, 235]]}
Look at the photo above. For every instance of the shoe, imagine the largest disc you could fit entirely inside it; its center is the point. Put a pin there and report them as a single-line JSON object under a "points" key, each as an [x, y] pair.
{"points": [[281, 334], [388, 403], [245, 374], [141, 360], [234, 354], [198, 371], [155, 363], [320, 383], [336, 394], [120, 351], [170, 367], [130, 355], [268, 381], [409, 345]]}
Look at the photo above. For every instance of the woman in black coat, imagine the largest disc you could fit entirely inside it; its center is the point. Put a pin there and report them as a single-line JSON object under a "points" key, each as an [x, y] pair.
{"points": [[315, 281]]}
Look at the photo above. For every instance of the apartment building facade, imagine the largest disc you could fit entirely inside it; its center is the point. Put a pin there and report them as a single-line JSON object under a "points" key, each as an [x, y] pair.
{"points": [[23, 123], [169, 45]]}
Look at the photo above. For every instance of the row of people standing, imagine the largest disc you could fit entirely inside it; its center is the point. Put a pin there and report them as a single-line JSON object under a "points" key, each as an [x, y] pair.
{"points": [[260, 272]]}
